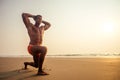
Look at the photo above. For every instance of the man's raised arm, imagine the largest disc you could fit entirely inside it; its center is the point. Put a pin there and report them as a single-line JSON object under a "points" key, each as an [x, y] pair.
{"points": [[26, 20], [47, 24]]}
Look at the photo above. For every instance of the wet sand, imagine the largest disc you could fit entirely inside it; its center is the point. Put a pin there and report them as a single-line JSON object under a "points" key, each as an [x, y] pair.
{"points": [[62, 69]]}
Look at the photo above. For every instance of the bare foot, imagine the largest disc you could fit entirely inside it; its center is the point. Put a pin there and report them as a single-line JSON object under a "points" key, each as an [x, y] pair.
{"points": [[42, 73], [25, 64]]}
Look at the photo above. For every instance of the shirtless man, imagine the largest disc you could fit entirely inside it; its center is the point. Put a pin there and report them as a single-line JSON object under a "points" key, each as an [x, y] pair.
{"points": [[35, 48]]}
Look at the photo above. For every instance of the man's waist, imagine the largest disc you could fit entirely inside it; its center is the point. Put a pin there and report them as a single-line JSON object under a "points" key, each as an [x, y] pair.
{"points": [[35, 44]]}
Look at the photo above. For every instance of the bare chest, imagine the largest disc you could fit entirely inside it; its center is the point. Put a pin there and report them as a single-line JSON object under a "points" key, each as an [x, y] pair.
{"points": [[36, 31]]}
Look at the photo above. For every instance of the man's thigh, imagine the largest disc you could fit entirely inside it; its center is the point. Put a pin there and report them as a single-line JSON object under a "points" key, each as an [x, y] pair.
{"points": [[39, 49]]}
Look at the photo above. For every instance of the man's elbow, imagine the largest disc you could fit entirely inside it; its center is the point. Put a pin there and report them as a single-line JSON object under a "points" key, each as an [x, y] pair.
{"points": [[23, 15], [49, 25]]}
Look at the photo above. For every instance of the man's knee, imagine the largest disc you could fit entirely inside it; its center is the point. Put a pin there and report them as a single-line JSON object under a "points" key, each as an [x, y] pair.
{"points": [[44, 49]]}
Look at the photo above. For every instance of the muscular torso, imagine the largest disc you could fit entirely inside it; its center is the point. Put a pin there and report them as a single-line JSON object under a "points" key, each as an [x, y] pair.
{"points": [[35, 34]]}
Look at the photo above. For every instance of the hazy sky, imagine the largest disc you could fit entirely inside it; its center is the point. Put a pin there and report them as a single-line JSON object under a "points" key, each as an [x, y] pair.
{"points": [[78, 26]]}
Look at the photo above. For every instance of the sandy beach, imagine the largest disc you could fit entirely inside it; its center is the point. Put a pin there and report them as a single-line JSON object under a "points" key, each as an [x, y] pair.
{"points": [[62, 69]]}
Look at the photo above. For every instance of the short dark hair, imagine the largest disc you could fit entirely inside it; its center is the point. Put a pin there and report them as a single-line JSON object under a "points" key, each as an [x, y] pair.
{"points": [[37, 16]]}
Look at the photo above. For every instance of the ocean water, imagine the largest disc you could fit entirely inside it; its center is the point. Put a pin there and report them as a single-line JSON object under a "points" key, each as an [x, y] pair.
{"points": [[72, 56]]}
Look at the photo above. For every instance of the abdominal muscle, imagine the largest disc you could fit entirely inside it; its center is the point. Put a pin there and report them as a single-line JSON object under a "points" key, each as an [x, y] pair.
{"points": [[35, 37]]}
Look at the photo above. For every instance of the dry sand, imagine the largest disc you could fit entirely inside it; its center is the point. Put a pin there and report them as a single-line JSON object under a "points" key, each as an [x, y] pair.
{"points": [[62, 69]]}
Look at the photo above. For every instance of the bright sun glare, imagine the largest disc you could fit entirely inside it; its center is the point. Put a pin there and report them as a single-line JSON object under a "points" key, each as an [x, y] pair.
{"points": [[108, 28]]}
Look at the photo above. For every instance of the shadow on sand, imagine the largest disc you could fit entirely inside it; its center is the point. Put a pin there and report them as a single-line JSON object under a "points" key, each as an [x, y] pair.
{"points": [[19, 74]]}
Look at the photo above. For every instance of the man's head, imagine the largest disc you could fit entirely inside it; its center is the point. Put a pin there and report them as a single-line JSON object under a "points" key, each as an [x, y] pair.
{"points": [[38, 20]]}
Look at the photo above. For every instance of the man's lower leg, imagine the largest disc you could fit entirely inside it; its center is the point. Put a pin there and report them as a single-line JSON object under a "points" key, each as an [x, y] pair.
{"points": [[40, 71], [29, 63]]}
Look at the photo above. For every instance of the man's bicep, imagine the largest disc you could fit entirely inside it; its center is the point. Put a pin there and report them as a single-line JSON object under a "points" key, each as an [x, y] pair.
{"points": [[46, 26], [26, 20]]}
